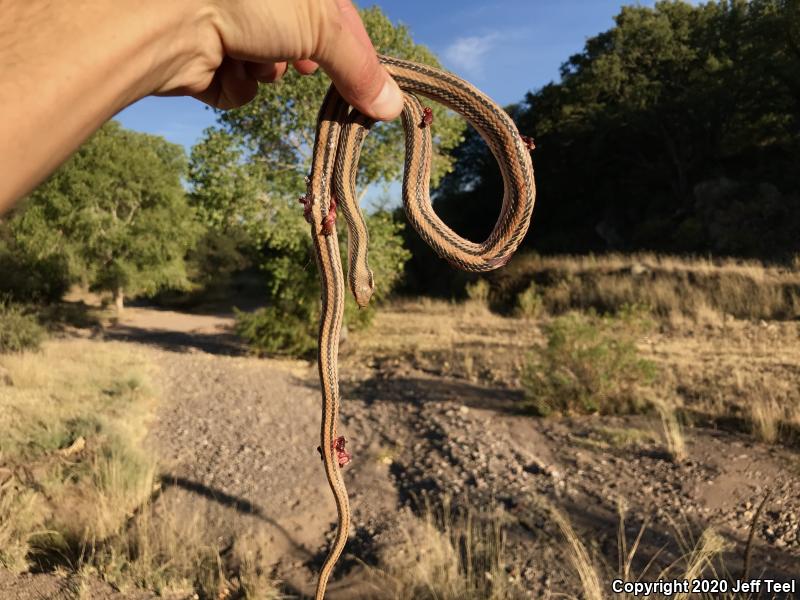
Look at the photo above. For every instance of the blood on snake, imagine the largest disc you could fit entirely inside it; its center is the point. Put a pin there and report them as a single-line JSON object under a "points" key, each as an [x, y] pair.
{"points": [[340, 134]]}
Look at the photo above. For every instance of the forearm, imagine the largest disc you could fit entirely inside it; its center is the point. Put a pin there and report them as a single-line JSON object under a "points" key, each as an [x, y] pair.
{"points": [[67, 67]]}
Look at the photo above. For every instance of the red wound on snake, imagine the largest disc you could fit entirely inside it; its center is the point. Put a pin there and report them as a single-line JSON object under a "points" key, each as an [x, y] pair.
{"points": [[530, 144], [329, 221], [306, 202], [342, 456], [427, 117]]}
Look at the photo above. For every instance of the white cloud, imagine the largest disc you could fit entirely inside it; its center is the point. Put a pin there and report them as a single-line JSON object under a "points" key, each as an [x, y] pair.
{"points": [[467, 54]]}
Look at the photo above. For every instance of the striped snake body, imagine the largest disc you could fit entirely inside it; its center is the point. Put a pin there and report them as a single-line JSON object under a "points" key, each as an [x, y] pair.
{"points": [[331, 187]]}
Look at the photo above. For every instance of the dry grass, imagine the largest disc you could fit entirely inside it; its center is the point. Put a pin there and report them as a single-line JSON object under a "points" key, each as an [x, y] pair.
{"points": [[673, 288], [766, 417], [701, 557], [161, 551], [725, 340], [463, 340], [579, 557], [672, 430], [170, 551], [449, 556], [76, 484], [743, 375], [443, 557], [73, 417]]}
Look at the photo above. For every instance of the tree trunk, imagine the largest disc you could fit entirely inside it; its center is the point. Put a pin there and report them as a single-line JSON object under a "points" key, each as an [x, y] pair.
{"points": [[119, 300]]}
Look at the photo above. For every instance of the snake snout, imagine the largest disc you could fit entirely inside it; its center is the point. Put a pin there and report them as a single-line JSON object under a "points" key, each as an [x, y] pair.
{"points": [[363, 289]]}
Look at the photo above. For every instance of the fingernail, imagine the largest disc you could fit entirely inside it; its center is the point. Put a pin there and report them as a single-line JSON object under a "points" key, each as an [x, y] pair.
{"points": [[389, 103]]}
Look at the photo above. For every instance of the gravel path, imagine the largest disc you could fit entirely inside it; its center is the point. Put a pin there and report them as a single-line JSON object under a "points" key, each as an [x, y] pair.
{"points": [[237, 439]]}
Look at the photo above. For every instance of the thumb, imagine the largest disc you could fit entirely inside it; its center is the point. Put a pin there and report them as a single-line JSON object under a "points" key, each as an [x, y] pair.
{"points": [[350, 60]]}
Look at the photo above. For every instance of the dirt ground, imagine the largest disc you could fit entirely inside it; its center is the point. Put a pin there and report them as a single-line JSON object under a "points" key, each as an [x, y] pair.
{"points": [[429, 410]]}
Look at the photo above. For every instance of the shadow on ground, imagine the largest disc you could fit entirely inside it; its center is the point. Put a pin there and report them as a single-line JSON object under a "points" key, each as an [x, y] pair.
{"points": [[236, 503], [419, 388], [225, 344]]}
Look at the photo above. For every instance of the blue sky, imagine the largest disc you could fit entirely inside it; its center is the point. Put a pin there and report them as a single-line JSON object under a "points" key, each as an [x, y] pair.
{"points": [[505, 47]]}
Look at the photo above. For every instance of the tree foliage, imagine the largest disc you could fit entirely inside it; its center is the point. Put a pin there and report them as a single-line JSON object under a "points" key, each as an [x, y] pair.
{"points": [[676, 130], [226, 189], [288, 324], [114, 215]]}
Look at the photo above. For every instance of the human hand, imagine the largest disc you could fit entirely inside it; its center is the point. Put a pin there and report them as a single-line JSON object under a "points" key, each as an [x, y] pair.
{"points": [[69, 67], [242, 43]]}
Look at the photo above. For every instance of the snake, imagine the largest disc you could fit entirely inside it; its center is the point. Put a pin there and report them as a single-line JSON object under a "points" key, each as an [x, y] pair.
{"points": [[331, 188]]}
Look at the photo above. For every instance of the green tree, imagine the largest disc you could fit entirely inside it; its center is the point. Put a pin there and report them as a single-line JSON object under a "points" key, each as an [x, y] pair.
{"points": [[117, 211], [226, 189], [667, 132], [227, 194]]}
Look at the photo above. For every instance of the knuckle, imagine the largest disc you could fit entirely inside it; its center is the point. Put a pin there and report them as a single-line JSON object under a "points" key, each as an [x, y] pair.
{"points": [[326, 26]]}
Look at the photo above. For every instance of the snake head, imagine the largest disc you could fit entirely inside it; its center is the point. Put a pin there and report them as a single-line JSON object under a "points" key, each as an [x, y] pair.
{"points": [[363, 289]]}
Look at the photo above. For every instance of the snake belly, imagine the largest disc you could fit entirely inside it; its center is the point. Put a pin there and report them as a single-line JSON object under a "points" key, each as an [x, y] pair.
{"points": [[340, 134]]}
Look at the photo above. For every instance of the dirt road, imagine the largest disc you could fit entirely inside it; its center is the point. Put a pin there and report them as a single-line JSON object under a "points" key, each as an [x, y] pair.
{"points": [[237, 439]]}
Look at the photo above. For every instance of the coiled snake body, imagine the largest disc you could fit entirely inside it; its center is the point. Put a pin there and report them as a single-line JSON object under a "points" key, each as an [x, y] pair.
{"points": [[331, 186]]}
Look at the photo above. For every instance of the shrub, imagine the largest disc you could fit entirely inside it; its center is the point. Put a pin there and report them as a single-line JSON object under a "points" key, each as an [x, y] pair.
{"points": [[18, 330], [590, 365], [25, 277], [478, 291], [288, 326], [529, 303], [271, 331]]}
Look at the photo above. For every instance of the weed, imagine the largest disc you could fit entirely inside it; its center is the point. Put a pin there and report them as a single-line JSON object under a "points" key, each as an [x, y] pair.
{"points": [[590, 365], [478, 291], [765, 417], [672, 431], [699, 558], [529, 303], [449, 555]]}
